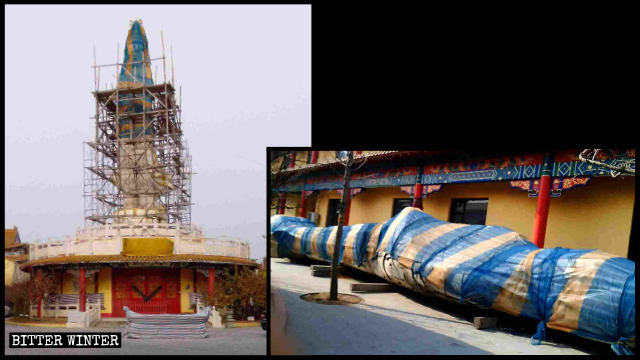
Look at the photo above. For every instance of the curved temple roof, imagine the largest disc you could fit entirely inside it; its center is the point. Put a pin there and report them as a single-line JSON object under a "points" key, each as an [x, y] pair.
{"points": [[159, 259]]}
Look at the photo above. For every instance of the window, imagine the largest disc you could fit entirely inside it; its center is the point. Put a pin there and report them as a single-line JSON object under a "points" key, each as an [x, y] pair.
{"points": [[469, 211], [332, 214], [399, 204]]}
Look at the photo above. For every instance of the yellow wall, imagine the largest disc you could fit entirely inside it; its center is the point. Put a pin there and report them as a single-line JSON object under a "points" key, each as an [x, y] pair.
{"points": [[507, 207], [13, 274], [374, 205], [597, 215], [70, 284], [322, 205], [186, 287], [147, 246], [326, 156], [104, 286], [293, 200]]}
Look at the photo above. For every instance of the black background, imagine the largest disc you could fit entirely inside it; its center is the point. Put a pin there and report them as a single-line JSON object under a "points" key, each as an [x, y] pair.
{"points": [[468, 75]]}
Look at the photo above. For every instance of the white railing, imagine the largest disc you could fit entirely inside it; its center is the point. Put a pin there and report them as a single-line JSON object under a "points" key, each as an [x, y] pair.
{"points": [[107, 240], [56, 310]]}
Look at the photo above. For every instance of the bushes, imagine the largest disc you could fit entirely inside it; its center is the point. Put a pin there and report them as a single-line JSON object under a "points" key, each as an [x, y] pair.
{"points": [[245, 293], [20, 295]]}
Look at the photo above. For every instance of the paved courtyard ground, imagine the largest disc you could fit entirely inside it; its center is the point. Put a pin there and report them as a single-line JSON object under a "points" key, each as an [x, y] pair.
{"points": [[398, 322], [235, 341]]}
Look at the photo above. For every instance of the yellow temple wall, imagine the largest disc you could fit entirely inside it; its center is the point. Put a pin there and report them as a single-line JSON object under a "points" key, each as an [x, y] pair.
{"points": [[293, 200], [70, 284], [597, 215], [186, 287], [104, 286], [322, 205], [374, 205]]}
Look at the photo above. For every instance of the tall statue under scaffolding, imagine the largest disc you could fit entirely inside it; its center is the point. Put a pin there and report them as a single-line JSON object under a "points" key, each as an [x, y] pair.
{"points": [[138, 249], [138, 169]]}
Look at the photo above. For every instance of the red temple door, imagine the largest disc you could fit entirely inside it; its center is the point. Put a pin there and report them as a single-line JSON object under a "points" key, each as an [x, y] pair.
{"points": [[146, 291]]}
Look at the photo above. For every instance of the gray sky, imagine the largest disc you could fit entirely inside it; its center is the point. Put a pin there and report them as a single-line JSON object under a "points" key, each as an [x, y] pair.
{"points": [[245, 72]]}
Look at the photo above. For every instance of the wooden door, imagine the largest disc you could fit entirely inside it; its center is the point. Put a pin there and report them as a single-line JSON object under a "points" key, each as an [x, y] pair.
{"points": [[146, 291]]}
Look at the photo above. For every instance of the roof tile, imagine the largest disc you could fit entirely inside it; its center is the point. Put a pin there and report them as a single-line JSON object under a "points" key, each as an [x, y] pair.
{"points": [[77, 259]]}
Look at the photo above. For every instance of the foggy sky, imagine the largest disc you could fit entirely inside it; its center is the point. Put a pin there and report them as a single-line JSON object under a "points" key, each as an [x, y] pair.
{"points": [[245, 72]]}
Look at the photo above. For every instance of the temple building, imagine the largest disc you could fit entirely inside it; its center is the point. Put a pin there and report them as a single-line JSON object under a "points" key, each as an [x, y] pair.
{"points": [[138, 247], [15, 253], [583, 207]]}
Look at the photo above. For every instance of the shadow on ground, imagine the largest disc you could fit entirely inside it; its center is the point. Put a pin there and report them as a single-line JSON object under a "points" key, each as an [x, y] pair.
{"points": [[465, 313], [338, 329]]}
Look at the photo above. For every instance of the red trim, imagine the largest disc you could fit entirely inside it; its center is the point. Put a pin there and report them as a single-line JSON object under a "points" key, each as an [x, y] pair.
{"points": [[82, 289], [314, 157], [542, 211]]}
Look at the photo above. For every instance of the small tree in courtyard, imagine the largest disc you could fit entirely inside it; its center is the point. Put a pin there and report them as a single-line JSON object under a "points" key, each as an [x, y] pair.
{"points": [[237, 292], [22, 295]]}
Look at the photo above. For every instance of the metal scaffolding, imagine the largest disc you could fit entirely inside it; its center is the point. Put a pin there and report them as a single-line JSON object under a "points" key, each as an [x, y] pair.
{"points": [[124, 166]]}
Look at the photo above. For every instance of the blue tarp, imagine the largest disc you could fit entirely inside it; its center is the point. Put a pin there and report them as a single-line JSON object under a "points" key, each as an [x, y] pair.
{"points": [[135, 71], [587, 292]]}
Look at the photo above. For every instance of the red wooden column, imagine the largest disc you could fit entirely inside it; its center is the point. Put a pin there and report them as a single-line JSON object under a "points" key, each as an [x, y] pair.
{"points": [[292, 159], [542, 210], [417, 196], [417, 190], [30, 291], [314, 157], [347, 209], [212, 279], [302, 212], [82, 288], [39, 295], [282, 202]]}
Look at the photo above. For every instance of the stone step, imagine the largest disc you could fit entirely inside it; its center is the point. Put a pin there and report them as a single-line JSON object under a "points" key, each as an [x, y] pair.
{"points": [[320, 273], [372, 287], [321, 267], [485, 322]]}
